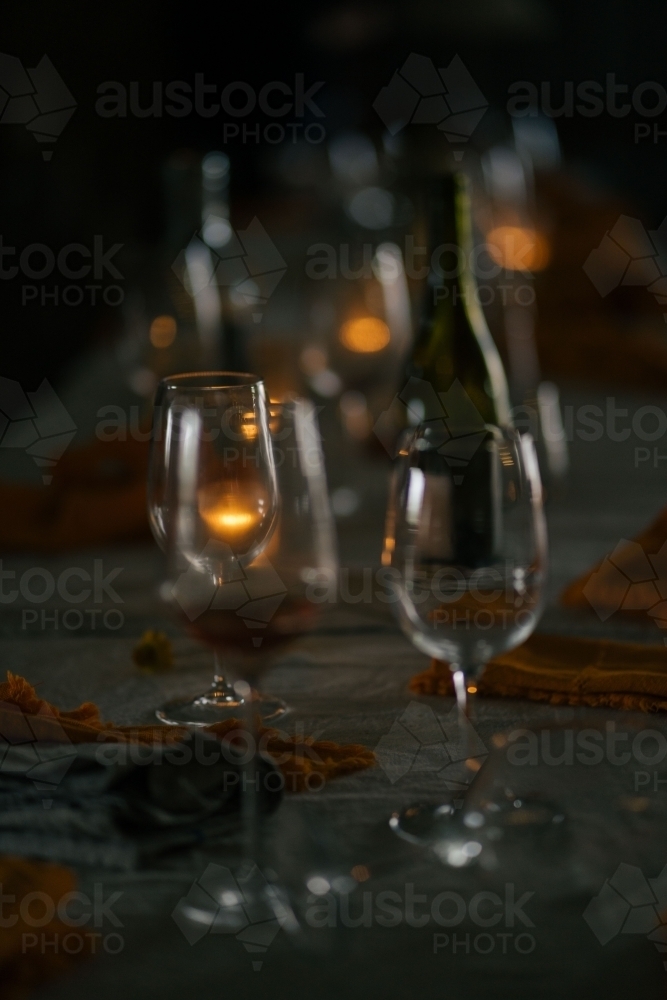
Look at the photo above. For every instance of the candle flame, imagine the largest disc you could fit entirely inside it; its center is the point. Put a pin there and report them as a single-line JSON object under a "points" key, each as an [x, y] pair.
{"points": [[231, 517], [230, 520], [249, 426]]}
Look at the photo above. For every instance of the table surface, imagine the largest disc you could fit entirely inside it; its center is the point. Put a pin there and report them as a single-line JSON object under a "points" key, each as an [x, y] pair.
{"points": [[348, 682]]}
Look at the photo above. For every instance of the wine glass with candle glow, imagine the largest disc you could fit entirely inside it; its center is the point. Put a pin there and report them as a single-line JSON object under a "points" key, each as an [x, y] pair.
{"points": [[238, 509], [226, 514], [251, 559], [239, 498]]}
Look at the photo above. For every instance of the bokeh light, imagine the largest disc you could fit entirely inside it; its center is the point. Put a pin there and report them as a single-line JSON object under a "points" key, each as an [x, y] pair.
{"points": [[365, 335], [518, 248], [162, 331]]}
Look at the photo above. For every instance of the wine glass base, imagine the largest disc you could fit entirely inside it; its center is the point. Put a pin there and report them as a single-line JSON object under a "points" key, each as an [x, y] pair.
{"points": [[423, 822], [444, 827], [207, 710], [223, 899], [512, 813], [457, 834]]}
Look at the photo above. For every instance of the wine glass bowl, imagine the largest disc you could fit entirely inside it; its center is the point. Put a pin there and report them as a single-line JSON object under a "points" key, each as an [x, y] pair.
{"points": [[467, 538], [220, 420]]}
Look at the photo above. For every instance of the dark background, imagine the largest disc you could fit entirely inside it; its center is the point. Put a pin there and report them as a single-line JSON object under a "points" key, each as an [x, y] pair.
{"points": [[104, 177]]}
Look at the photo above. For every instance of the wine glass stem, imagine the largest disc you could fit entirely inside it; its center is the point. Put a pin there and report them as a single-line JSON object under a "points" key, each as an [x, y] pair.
{"points": [[464, 703], [221, 685], [459, 678], [250, 788]]}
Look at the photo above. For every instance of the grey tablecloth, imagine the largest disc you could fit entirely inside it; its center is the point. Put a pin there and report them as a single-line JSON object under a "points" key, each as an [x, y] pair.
{"points": [[348, 683]]}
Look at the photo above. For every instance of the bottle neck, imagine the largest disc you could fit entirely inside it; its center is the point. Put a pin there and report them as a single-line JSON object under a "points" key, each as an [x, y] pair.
{"points": [[452, 281]]}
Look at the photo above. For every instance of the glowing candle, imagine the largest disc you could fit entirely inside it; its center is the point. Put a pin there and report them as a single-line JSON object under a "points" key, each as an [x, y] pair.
{"points": [[249, 426], [232, 517]]}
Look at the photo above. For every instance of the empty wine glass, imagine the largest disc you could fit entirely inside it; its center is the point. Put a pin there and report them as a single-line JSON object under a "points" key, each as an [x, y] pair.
{"points": [[466, 537]]}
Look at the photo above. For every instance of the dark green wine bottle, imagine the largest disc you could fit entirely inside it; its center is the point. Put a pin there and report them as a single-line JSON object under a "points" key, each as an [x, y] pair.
{"points": [[456, 382], [453, 343]]}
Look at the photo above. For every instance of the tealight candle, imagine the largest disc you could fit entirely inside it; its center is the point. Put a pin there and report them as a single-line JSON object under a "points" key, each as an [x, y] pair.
{"points": [[232, 517]]}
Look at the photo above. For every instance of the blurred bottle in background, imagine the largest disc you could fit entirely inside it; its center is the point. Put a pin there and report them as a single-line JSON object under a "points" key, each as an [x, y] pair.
{"points": [[182, 305], [187, 320], [359, 319]]}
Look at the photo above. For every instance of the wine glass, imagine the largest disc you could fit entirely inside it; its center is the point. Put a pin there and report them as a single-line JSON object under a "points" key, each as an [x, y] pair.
{"points": [[221, 701], [249, 566], [249, 534], [466, 537]]}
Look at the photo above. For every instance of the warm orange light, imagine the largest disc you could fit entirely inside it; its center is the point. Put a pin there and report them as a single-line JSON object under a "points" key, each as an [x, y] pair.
{"points": [[365, 335], [472, 689], [231, 517], [249, 426], [275, 415], [162, 331], [230, 522], [518, 248], [360, 873]]}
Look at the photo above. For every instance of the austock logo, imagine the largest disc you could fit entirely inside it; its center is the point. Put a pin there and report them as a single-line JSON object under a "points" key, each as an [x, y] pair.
{"points": [[37, 98], [248, 263], [630, 580], [421, 94], [232, 102], [630, 255], [246, 906], [254, 593], [421, 740], [36, 422], [452, 412], [629, 903]]}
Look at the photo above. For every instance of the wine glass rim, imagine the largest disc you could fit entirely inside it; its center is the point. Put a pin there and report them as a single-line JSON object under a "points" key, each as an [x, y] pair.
{"points": [[429, 428], [215, 380]]}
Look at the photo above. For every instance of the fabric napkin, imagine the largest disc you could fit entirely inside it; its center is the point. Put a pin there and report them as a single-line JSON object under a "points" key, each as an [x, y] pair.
{"points": [[20, 971], [121, 810], [631, 580], [297, 756], [74, 788], [562, 670]]}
